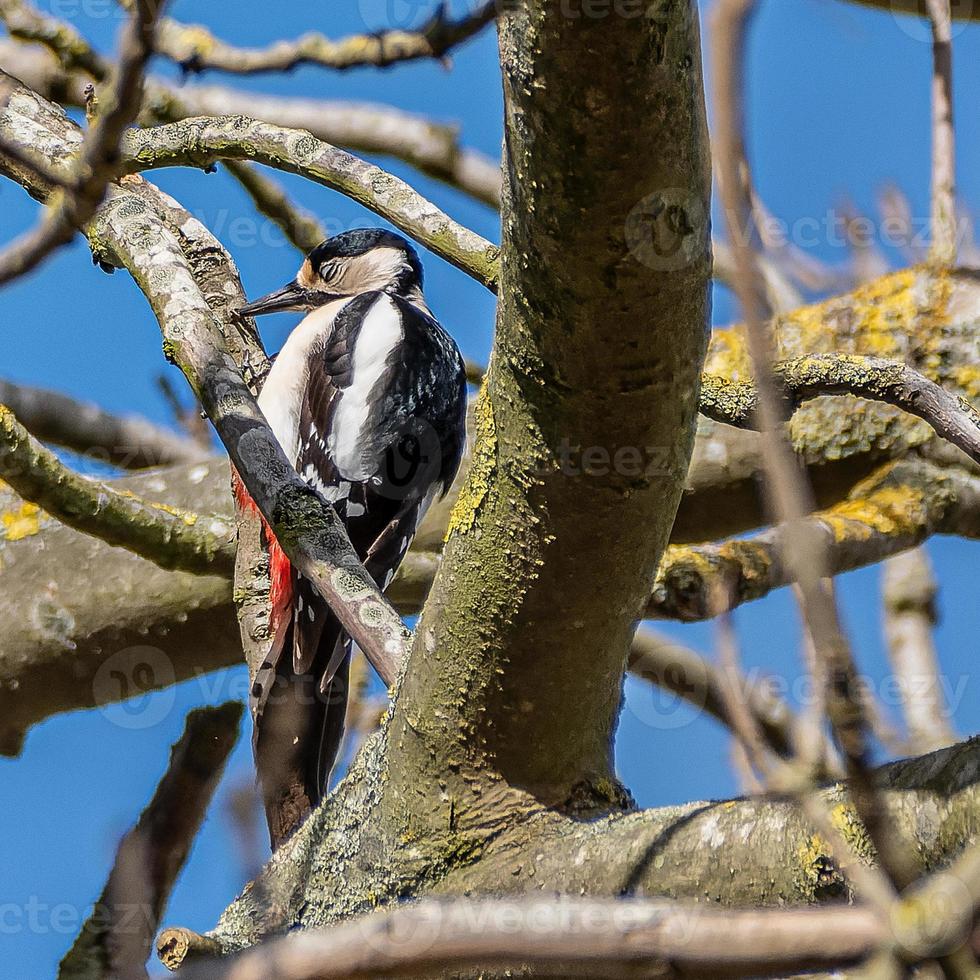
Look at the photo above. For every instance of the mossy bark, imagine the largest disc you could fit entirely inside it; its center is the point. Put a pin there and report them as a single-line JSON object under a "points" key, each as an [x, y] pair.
{"points": [[507, 706]]}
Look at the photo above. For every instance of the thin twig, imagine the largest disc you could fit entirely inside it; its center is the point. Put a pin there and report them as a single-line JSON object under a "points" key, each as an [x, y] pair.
{"points": [[196, 49], [166, 536], [97, 160], [804, 554], [127, 441], [190, 419], [943, 250], [117, 938]]}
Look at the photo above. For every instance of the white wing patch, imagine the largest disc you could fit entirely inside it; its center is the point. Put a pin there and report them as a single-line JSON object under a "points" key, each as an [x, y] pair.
{"points": [[380, 333]]}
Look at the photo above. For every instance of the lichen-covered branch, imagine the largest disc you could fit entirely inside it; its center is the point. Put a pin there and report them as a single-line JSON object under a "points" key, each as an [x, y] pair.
{"points": [[432, 147], [736, 402], [169, 537], [887, 514], [697, 852], [308, 529], [205, 140], [117, 938], [127, 441], [196, 49]]}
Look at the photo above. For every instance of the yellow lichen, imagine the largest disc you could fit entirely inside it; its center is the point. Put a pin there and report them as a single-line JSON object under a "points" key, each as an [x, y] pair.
{"points": [[846, 820], [22, 522], [876, 319], [480, 476], [888, 510], [966, 378], [197, 40], [187, 517]]}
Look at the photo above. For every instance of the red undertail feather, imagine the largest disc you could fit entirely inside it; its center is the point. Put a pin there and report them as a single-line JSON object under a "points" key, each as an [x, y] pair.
{"points": [[280, 569]]}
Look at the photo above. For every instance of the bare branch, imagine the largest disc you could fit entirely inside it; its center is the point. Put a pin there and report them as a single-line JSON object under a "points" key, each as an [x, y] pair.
{"points": [[804, 552], [203, 141], [683, 672], [943, 249], [302, 229], [97, 164], [195, 49], [909, 592], [130, 442], [737, 402], [117, 938], [594, 937], [433, 148], [166, 536]]}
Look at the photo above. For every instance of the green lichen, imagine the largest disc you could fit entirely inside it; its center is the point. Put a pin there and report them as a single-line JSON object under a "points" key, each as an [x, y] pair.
{"points": [[480, 478]]}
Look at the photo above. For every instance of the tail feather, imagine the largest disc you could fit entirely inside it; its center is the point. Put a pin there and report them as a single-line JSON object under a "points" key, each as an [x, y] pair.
{"points": [[299, 729]]}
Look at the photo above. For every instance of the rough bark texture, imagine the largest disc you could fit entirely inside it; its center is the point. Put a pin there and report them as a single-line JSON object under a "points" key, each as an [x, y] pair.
{"points": [[519, 623], [492, 772], [744, 852]]}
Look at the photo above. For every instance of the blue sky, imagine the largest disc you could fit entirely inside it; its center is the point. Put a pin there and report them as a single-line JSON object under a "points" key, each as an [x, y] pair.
{"points": [[838, 106]]}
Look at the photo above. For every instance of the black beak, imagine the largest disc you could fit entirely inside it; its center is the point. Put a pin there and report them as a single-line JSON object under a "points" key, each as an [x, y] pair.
{"points": [[292, 296]]}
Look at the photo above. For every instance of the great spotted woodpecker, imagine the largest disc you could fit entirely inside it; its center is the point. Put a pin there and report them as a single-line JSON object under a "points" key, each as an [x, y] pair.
{"points": [[368, 398]]}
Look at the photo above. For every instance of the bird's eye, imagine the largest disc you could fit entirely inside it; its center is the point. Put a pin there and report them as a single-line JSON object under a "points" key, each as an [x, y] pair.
{"points": [[328, 270]]}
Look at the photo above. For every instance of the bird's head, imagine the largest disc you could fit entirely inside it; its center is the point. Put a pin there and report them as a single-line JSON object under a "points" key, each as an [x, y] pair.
{"points": [[346, 265]]}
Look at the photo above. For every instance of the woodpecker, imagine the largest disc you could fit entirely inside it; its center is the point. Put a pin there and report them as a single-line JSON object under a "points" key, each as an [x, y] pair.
{"points": [[367, 398]]}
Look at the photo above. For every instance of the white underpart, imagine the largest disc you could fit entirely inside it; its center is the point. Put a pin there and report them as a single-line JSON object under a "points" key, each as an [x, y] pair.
{"points": [[380, 334], [281, 399]]}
